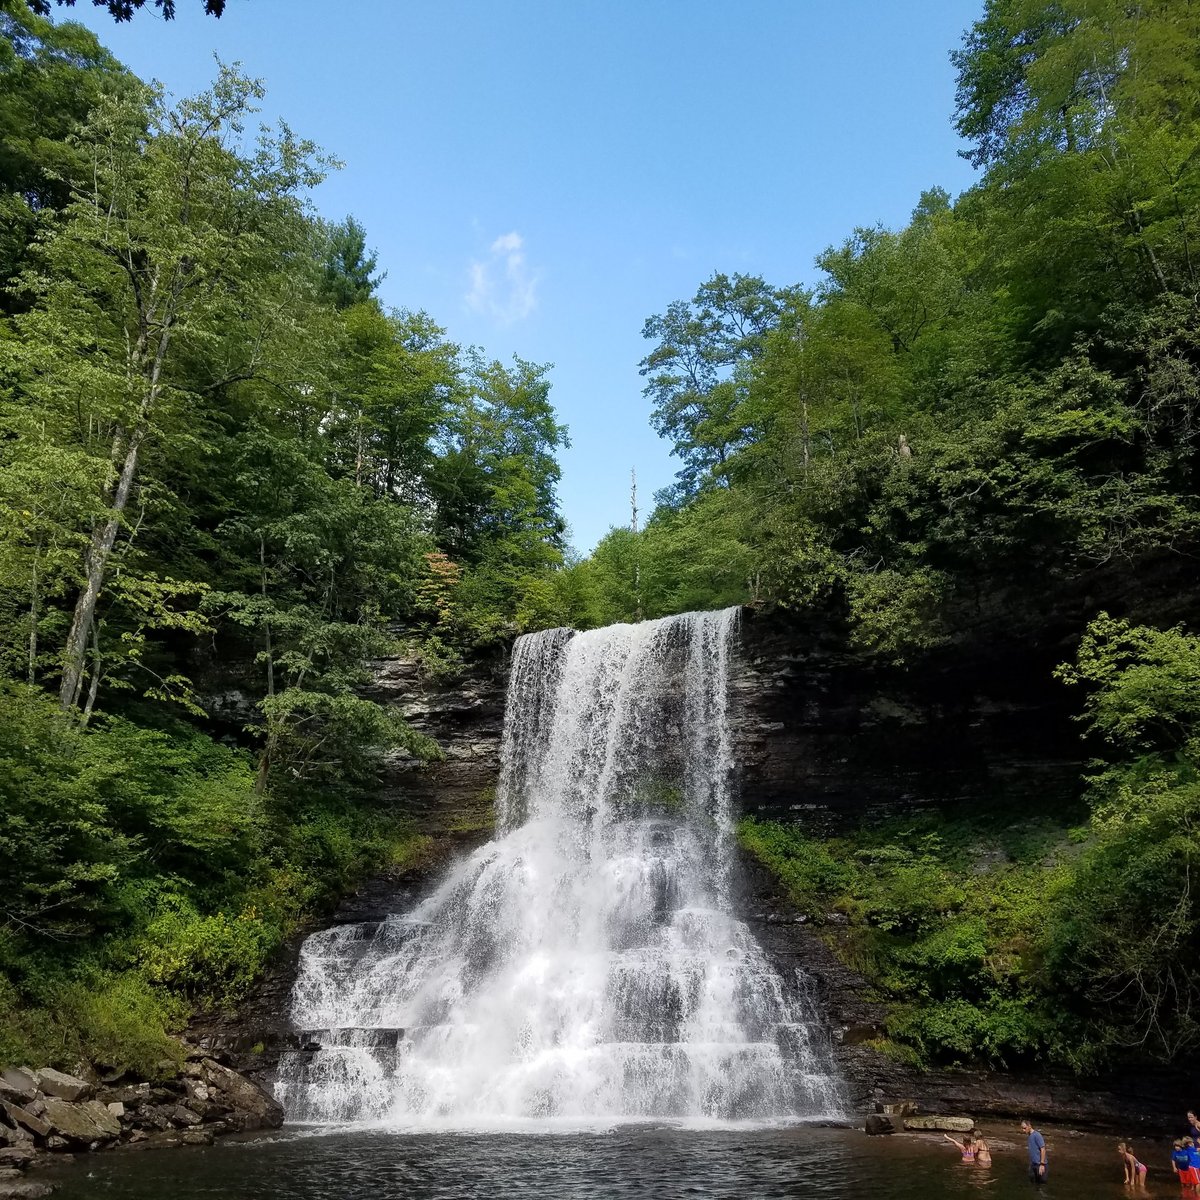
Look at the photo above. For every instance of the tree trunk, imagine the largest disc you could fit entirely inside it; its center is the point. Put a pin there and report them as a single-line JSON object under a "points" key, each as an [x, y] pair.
{"points": [[94, 682], [104, 537], [35, 607]]}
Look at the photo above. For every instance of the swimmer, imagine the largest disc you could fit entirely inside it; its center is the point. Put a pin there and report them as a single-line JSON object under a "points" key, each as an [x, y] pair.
{"points": [[983, 1155], [966, 1146]]}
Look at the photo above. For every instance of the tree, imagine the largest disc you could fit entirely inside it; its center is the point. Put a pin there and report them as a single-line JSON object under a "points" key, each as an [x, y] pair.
{"points": [[123, 10], [170, 241], [691, 371], [346, 272], [51, 76]]}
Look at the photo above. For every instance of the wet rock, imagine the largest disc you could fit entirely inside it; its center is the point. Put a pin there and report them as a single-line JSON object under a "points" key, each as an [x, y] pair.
{"points": [[16, 1156], [87, 1122], [940, 1124], [54, 1142], [900, 1108], [24, 1118], [879, 1123], [63, 1086], [196, 1137], [184, 1116]]}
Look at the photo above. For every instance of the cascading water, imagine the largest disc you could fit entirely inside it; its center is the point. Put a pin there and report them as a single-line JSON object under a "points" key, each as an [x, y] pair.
{"points": [[584, 966]]}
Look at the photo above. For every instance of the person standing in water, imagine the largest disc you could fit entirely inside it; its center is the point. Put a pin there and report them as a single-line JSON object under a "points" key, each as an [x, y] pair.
{"points": [[1037, 1153], [983, 1155], [1181, 1164], [966, 1146], [1135, 1172]]}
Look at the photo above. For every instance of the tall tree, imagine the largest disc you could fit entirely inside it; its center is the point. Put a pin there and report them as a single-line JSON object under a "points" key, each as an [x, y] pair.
{"points": [[171, 239], [346, 272]]}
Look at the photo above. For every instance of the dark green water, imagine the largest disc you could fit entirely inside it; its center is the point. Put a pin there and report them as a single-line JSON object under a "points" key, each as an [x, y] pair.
{"points": [[639, 1162]]}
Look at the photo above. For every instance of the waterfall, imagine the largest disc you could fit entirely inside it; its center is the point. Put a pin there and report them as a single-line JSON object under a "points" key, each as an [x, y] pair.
{"points": [[586, 965]]}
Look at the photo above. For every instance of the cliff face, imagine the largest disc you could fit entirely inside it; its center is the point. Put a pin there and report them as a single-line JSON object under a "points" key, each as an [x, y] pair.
{"points": [[823, 738]]}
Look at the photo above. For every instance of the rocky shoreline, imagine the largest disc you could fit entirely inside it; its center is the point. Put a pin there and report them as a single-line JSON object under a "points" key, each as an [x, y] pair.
{"points": [[47, 1115]]}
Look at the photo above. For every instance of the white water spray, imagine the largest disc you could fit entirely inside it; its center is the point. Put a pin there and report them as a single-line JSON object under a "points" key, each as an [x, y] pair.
{"points": [[585, 966]]}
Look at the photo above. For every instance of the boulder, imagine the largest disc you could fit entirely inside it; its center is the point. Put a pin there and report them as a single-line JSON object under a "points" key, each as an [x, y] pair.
{"points": [[133, 1093], [940, 1124], [87, 1122], [16, 1156], [900, 1108], [878, 1123], [196, 1137], [242, 1095], [63, 1086], [184, 1116], [18, 1082], [24, 1118], [25, 1189], [116, 1108]]}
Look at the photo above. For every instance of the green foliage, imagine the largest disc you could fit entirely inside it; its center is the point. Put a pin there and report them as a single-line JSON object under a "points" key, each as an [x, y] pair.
{"points": [[225, 472], [946, 918], [1041, 939]]}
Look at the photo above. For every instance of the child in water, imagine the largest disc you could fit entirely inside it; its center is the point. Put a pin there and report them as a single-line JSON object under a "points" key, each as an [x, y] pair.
{"points": [[966, 1146], [1181, 1164], [1135, 1172]]}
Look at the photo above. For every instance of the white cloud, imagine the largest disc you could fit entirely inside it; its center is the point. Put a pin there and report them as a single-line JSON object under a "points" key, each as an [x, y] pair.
{"points": [[503, 286]]}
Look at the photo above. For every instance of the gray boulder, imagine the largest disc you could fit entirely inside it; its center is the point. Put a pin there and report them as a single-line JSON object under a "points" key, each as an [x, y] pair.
{"points": [[245, 1097], [24, 1118], [19, 1083], [87, 1122], [25, 1189], [65, 1087], [880, 1123]]}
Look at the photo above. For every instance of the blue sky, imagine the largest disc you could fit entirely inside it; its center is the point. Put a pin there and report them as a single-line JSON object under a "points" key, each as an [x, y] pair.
{"points": [[543, 175]]}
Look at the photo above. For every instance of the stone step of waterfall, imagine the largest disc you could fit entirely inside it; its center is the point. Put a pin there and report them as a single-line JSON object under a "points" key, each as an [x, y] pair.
{"points": [[356, 1036]]}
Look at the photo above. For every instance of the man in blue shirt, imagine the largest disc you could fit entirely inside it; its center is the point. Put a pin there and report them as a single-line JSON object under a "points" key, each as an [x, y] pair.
{"points": [[1037, 1153]]}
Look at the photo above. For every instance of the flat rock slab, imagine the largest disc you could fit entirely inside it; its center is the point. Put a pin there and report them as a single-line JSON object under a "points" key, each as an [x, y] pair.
{"points": [[87, 1122], [19, 1082], [939, 1124], [23, 1117], [65, 1087], [24, 1189]]}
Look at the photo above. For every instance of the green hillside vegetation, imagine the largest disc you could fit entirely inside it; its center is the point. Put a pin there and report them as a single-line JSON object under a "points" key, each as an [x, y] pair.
{"points": [[225, 470], [981, 429]]}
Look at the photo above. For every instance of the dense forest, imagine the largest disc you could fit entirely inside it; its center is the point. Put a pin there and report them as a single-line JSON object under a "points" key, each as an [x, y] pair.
{"points": [[226, 467], [225, 470]]}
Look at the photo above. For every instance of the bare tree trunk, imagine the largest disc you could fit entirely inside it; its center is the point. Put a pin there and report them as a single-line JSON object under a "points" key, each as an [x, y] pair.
{"points": [[97, 671]]}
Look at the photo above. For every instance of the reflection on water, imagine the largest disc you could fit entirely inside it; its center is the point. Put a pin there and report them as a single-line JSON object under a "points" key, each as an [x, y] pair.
{"points": [[647, 1163]]}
